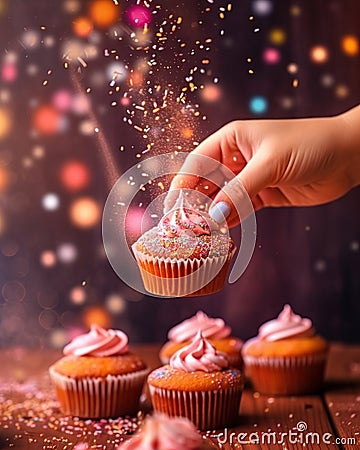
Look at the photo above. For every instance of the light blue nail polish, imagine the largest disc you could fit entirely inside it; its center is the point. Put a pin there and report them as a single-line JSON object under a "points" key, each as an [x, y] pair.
{"points": [[219, 212]]}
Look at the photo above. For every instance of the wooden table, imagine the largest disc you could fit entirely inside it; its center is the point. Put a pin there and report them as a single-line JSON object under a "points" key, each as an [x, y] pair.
{"points": [[30, 418]]}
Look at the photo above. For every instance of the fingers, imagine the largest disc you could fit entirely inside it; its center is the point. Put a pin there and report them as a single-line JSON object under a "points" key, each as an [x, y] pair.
{"points": [[255, 176], [202, 169]]}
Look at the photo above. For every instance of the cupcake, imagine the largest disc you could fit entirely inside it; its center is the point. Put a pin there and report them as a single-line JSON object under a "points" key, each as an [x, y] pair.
{"points": [[98, 377], [198, 384], [160, 432], [287, 357], [215, 330], [187, 254]]}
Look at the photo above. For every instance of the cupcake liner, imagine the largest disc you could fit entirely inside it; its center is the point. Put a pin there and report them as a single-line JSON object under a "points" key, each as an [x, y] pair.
{"points": [[206, 409], [288, 375], [184, 277], [111, 396]]}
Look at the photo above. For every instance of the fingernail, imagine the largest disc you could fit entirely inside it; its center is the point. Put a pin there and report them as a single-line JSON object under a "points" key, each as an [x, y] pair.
{"points": [[219, 212]]}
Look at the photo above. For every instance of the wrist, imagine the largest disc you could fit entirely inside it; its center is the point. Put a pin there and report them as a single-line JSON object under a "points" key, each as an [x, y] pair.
{"points": [[349, 131]]}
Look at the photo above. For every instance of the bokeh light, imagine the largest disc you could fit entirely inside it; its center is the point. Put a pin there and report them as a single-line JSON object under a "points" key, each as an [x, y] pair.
{"points": [[30, 39], [115, 304], [262, 7], [341, 91], [48, 258], [85, 212], [13, 291], [116, 71], [75, 175], [50, 201], [58, 338], [2, 223], [211, 93], [258, 105], [62, 99], [81, 104], [47, 120], [277, 36], [133, 222], [4, 179], [138, 15], [327, 80], [96, 315], [271, 55], [82, 27], [319, 54], [77, 295], [67, 253], [103, 13], [350, 45], [9, 72], [292, 68], [5, 122]]}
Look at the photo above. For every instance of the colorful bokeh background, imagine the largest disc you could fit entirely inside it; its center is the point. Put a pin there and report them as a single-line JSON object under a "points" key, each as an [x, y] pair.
{"points": [[91, 88]]}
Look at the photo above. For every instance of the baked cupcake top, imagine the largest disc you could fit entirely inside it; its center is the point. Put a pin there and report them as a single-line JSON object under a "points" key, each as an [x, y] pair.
{"points": [[98, 353], [160, 432], [185, 233], [210, 328], [287, 335], [286, 325], [197, 366]]}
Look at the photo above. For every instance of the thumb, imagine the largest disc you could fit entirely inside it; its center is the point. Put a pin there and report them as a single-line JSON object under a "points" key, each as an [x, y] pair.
{"points": [[233, 200]]}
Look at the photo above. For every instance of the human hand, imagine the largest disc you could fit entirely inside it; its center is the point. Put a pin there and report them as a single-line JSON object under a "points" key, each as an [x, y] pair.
{"points": [[294, 162]]}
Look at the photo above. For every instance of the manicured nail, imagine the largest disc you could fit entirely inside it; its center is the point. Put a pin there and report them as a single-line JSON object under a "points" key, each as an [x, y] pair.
{"points": [[219, 212]]}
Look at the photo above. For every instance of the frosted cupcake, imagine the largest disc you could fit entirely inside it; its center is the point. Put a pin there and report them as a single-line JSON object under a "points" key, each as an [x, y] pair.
{"points": [[187, 254], [215, 330], [160, 432], [98, 376], [198, 384], [287, 357]]}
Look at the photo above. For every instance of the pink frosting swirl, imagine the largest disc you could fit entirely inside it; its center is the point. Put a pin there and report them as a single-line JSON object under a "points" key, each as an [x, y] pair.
{"points": [[183, 219], [285, 326], [160, 432], [210, 328], [199, 355], [98, 342]]}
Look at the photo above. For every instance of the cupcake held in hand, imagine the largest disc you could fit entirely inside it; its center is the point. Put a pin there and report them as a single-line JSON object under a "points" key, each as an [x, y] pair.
{"points": [[198, 384], [215, 330], [160, 432], [98, 376], [287, 357], [187, 254]]}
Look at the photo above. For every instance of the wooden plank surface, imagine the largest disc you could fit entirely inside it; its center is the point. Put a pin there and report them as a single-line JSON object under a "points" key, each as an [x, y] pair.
{"points": [[278, 423], [342, 397], [30, 418]]}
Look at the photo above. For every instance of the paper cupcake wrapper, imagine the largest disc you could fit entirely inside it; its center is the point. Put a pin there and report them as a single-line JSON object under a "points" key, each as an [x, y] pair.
{"points": [[183, 277], [208, 410], [286, 375], [112, 396]]}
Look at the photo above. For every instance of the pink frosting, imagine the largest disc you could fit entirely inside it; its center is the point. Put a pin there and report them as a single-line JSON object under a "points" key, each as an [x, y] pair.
{"points": [[199, 355], [183, 219], [210, 328], [98, 342], [285, 326], [160, 432]]}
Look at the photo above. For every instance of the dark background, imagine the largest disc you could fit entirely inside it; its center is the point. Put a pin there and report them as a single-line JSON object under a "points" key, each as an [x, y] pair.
{"points": [[55, 278]]}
